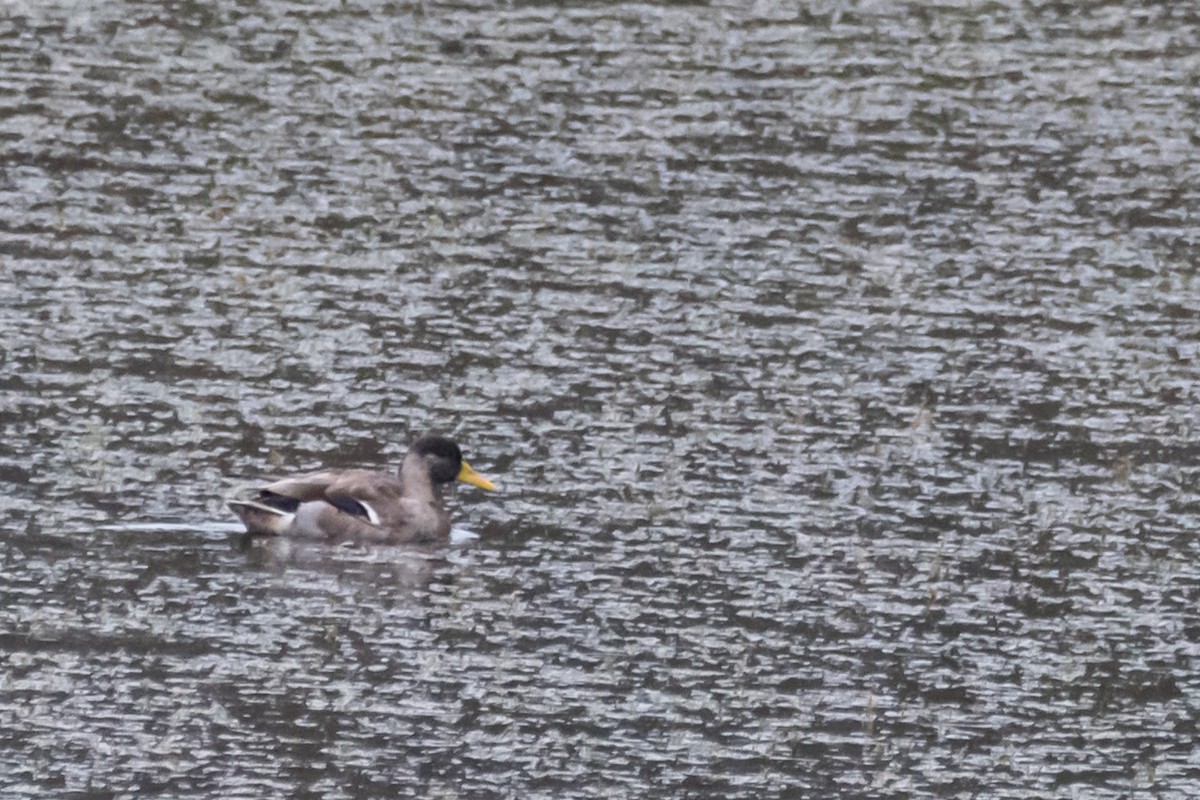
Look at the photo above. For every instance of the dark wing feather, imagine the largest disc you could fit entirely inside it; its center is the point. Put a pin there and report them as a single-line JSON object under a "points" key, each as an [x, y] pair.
{"points": [[355, 490], [303, 488]]}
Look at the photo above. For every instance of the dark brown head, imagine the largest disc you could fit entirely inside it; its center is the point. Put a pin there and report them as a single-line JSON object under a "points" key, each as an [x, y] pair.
{"points": [[443, 458]]}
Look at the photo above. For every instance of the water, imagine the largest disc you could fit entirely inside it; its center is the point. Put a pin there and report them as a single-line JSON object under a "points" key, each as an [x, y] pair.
{"points": [[838, 367]]}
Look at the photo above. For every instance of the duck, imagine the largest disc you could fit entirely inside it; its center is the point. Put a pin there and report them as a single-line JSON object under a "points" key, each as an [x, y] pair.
{"points": [[365, 506]]}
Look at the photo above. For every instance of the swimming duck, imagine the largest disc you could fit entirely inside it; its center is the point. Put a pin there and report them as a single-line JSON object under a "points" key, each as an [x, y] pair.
{"points": [[364, 506]]}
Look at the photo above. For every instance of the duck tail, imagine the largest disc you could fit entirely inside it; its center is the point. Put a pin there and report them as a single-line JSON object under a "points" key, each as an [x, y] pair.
{"points": [[261, 519]]}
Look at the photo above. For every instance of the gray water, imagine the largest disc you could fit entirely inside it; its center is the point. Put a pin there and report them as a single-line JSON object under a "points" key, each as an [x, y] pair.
{"points": [[837, 362]]}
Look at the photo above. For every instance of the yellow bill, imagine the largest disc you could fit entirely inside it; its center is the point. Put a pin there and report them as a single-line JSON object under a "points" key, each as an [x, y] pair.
{"points": [[468, 475]]}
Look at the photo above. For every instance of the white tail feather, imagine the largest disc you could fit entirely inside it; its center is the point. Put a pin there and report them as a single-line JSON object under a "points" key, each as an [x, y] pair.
{"points": [[261, 518]]}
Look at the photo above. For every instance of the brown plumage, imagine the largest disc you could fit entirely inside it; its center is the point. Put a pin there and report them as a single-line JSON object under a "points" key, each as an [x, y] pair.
{"points": [[365, 506]]}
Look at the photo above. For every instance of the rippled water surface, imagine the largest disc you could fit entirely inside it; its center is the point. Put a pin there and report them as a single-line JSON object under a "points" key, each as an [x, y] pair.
{"points": [[837, 362]]}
